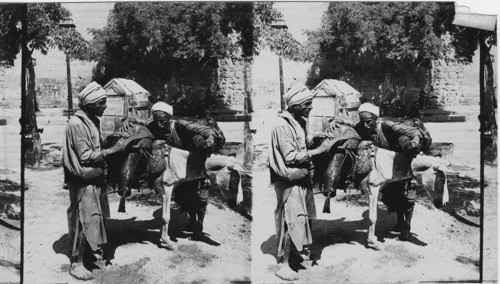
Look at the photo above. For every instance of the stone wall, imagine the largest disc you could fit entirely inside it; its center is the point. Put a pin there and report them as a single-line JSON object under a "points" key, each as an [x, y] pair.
{"points": [[50, 78], [10, 87], [231, 84], [455, 83], [266, 84]]}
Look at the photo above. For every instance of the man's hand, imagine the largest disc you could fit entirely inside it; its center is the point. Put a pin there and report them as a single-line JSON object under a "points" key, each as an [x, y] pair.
{"points": [[324, 147], [210, 144], [115, 148], [121, 134], [298, 174], [142, 144], [127, 123]]}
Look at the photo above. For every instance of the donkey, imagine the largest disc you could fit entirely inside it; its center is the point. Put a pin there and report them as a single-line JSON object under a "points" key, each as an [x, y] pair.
{"points": [[389, 166], [184, 166]]}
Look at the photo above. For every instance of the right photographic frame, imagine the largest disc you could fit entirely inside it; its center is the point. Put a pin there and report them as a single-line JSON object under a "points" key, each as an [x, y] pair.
{"points": [[377, 163]]}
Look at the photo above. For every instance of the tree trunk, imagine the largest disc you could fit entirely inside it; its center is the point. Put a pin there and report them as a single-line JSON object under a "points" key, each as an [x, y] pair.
{"points": [[247, 133], [410, 83], [35, 148], [195, 96]]}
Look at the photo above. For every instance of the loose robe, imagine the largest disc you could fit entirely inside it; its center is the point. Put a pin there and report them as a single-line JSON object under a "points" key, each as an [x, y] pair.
{"points": [[84, 174], [287, 154]]}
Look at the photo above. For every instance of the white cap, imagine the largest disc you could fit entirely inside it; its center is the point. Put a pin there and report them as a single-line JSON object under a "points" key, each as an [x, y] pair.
{"points": [[369, 107], [161, 106]]}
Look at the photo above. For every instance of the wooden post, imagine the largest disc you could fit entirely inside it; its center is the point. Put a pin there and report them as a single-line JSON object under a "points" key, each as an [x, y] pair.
{"points": [[24, 61], [247, 134], [70, 91], [482, 129], [282, 85]]}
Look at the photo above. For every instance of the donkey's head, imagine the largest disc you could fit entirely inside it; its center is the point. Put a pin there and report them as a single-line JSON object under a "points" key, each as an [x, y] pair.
{"points": [[160, 148]]}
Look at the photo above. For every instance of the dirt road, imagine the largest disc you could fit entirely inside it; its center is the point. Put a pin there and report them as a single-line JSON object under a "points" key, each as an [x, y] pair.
{"points": [[10, 235], [223, 256]]}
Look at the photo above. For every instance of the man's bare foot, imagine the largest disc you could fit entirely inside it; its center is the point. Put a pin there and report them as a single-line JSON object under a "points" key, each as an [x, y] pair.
{"points": [[166, 243], [284, 272], [78, 271], [374, 244]]}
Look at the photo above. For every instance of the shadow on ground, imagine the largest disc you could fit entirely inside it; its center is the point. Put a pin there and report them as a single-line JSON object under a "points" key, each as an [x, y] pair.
{"points": [[10, 203], [330, 232], [463, 202]]}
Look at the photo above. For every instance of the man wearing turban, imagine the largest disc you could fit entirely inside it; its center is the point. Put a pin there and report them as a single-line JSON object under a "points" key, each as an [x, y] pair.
{"points": [[289, 163], [84, 156], [409, 137], [191, 196]]}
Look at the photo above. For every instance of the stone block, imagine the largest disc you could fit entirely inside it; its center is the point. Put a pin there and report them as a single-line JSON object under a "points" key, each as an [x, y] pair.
{"points": [[437, 74], [238, 74]]}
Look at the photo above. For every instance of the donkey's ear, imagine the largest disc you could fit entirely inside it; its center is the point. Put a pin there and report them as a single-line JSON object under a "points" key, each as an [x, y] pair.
{"points": [[159, 143]]}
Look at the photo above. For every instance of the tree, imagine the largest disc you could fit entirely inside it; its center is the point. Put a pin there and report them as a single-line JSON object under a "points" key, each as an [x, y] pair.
{"points": [[43, 33], [177, 44], [386, 37]]}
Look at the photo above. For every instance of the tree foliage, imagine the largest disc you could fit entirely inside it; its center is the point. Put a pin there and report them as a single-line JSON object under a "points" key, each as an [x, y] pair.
{"points": [[10, 16], [43, 33], [178, 44], [139, 34], [386, 36]]}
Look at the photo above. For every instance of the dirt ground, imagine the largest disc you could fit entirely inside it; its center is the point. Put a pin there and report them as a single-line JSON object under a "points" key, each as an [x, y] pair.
{"points": [[444, 245], [222, 256], [10, 237], [10, 197]]}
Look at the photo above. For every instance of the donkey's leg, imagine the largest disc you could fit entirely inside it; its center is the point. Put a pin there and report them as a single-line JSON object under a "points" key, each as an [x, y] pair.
{"points": [[372, 215], [121, 205], [165, 239]]}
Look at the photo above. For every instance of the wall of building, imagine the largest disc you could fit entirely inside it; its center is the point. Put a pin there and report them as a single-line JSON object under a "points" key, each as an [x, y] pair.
{"points": [[50, 78], [266, 82], [231, 76], [455, 83]]}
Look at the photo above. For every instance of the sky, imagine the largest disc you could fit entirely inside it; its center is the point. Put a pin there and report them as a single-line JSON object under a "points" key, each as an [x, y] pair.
{"points": [[89, 15], [298, 16]]}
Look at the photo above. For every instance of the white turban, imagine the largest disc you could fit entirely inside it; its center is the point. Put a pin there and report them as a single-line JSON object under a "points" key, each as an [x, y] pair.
{"points": [[369, 107], [163, 107], [297, 94], [91, 94]]}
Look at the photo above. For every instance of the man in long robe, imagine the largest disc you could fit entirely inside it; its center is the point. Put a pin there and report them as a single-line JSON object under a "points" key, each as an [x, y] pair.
{"points": [[289, 162], [84, 173]]}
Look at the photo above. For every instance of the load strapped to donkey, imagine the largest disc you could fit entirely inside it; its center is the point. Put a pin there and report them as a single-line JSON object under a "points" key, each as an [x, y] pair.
{"points": [[137, 163]]}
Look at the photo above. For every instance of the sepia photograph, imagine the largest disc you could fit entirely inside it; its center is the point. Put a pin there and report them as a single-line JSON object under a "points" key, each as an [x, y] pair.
{"points": [[248, 142]]}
